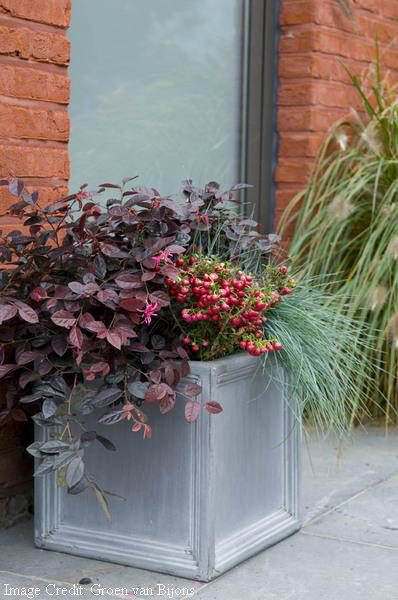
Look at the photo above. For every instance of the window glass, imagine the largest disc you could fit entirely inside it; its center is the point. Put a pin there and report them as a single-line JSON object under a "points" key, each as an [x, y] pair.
{"points": [[156, 91]]}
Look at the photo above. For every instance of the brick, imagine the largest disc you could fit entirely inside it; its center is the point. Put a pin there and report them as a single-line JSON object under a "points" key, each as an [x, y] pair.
{"points": [[284, 196], [390, 9], [299, 144], [28, 43], [372, 27], [317, 119], [300, 67], [303, 12], [293, 170], [47, 194], [297, 93], [390, 59], [371, 5], [298, 13], [293, 40], [52, 12], [32, 123], [34, 161], [334, 42], [318, 92], [317, 41], [34, 84], [319, 66]]}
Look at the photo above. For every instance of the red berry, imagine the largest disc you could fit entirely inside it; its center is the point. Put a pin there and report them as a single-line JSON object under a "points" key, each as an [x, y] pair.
{"points": [[179, 262], [283, 269], [186, 340], [277, 346], [195, 348]]}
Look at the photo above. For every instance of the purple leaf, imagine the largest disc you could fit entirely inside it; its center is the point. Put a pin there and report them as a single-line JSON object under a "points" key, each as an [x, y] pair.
{"points": [[5, 369], [63, 318], [213, 407], [192, 410], [26, 312], [7, 312]]}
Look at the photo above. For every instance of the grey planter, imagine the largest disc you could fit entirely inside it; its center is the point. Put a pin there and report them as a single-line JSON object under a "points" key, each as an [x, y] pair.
{"points": [[199, 498]]}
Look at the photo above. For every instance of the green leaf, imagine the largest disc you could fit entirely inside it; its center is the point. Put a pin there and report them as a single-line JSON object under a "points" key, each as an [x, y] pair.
{"points": [[75, 471], [102, 501]]}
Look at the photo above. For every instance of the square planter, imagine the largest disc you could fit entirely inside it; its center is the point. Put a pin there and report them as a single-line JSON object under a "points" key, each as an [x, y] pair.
{"points": [[200, 498]]}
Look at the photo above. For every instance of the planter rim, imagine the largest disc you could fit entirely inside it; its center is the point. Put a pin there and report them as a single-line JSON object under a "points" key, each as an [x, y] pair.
{"points": [[237, 356]]}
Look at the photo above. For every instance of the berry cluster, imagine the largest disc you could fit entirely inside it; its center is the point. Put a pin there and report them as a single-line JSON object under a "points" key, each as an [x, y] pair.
{"points": [[224, 308]]}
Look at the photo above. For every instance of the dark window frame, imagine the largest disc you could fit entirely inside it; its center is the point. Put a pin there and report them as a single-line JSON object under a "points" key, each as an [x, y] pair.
{"points": [[259, 92]]}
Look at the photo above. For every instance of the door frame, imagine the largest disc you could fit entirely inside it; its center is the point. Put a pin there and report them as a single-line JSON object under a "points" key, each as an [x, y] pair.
{"points": [[259, 101]]}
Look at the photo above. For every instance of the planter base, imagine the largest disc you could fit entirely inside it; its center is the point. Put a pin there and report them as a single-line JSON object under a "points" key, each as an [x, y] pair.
{"points": [[199, 498]]}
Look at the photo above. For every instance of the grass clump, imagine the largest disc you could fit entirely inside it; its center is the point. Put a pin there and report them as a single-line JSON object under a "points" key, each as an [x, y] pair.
{"points": [[346, 224]]}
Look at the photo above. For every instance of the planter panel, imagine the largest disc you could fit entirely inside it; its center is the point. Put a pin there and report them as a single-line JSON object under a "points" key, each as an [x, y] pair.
{"points": [[198, 498]]}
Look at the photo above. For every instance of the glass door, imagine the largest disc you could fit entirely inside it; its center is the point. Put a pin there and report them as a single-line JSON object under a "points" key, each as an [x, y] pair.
{"points": [[167, 90]]}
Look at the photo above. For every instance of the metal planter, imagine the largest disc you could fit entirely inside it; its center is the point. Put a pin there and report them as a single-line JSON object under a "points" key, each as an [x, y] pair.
{"points": [[199, 498]]}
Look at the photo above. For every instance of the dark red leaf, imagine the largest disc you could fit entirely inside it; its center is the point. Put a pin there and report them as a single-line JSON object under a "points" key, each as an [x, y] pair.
{"points": [[128, 281], [7, 312], [59, 344], [192, 389], [107, 296], [76, 337], [19, 415], [112, 251], [63, 318], [160, 297], [26, 312], [5, 369], [114, 339], [213, 407], [156, 392], [131, 304], [192, 410], [147, 431], [26, 357]]}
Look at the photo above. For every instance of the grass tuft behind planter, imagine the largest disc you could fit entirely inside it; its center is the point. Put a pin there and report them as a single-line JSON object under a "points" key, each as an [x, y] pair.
{"points": [[347, 236]]}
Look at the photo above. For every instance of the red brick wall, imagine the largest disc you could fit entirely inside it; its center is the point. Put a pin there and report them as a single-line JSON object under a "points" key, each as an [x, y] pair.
{"points": [[34, 131], [317, 39]]}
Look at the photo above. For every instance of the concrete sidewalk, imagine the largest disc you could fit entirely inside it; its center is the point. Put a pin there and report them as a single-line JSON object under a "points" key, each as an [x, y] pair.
{"points": [[347, 549]]}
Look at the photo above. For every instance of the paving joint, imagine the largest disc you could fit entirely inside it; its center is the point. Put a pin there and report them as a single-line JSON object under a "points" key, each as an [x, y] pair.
{"points": [[348, 500]]}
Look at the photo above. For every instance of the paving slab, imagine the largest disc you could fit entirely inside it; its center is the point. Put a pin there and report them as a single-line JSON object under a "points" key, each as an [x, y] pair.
{"points": [[310, 568], [371, 517], [347, 550], [334, 470]]}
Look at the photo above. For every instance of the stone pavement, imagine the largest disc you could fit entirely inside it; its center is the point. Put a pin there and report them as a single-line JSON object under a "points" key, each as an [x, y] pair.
{"points": [[347, 549]]}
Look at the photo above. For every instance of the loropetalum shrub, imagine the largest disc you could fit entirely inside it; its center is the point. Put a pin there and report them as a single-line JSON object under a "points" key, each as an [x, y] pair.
{"points": [[97, 303]]}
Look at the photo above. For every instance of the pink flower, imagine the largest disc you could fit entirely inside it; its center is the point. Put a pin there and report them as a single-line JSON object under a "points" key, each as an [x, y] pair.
{"points": [[149, 311], [165, 256]]}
